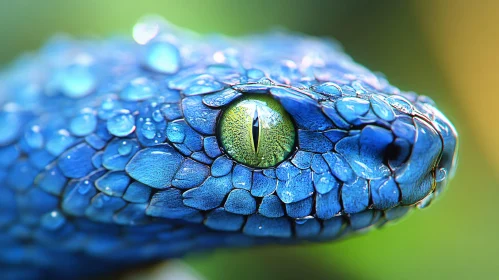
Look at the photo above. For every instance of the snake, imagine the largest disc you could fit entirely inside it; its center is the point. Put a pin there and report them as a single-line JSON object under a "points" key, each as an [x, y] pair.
{"points": [[126, 151]]}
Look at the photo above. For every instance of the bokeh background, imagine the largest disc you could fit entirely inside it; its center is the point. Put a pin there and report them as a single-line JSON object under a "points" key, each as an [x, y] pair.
{"points": [[448, 50]]}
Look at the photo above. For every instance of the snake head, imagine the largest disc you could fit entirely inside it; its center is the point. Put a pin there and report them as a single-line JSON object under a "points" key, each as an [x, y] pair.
{"points": [[130, 151], [302, 144], [357, 148]]}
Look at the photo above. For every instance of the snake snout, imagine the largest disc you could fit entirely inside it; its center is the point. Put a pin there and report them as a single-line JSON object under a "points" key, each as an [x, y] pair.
{"points": [[432, 159], [414, 152], [447, 165]]}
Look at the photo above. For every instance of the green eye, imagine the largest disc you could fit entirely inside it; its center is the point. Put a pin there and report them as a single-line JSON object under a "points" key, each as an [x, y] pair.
{"points": [[256, 131]]}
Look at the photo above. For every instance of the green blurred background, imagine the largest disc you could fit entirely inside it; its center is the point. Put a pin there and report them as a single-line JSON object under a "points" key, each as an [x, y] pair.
{"points": [[448, 50]]}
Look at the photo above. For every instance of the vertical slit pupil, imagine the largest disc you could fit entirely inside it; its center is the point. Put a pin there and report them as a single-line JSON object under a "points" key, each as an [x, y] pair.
{"points": [[255, 130]]}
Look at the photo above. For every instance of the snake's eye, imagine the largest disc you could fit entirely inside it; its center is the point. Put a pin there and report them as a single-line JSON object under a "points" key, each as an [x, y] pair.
{"points": [[256, 131]]}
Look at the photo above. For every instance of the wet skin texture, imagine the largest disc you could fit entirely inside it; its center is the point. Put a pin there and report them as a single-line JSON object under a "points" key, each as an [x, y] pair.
{"points": [[110, 152]]}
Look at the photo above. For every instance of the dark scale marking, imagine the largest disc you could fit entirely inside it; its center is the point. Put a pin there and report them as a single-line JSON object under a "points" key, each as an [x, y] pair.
{"points": [[120, 161]]}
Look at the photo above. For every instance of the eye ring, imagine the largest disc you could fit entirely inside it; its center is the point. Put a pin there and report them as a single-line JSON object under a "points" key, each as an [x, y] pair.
{"points": [[255, 130]]}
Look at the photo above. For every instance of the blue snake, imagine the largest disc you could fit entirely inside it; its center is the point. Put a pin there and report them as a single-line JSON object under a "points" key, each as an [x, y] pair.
{"points": [[117, 153]]}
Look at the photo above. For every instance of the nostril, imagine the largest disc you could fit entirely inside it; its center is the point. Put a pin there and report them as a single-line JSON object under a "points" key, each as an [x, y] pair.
{"points": [[397, 153]]}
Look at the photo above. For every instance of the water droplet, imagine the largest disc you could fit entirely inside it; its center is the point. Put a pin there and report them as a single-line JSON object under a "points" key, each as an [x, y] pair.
{"points": [[108, 104], [34, 137], [255, 74], [400, 103], [157, 116], [28, 95], [145, 30], [441, 175], [328, 89], [53, 220], [107, 108], [426, 201], [266, 81], [84, 187], [219, 57], [301, 221], [59, 142], [10, 126], [148, 130], [183, 81], [162, 57], [203, 86], [84, 123], [76, 81], [125, 148], [139, 89], [122, 124]]}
